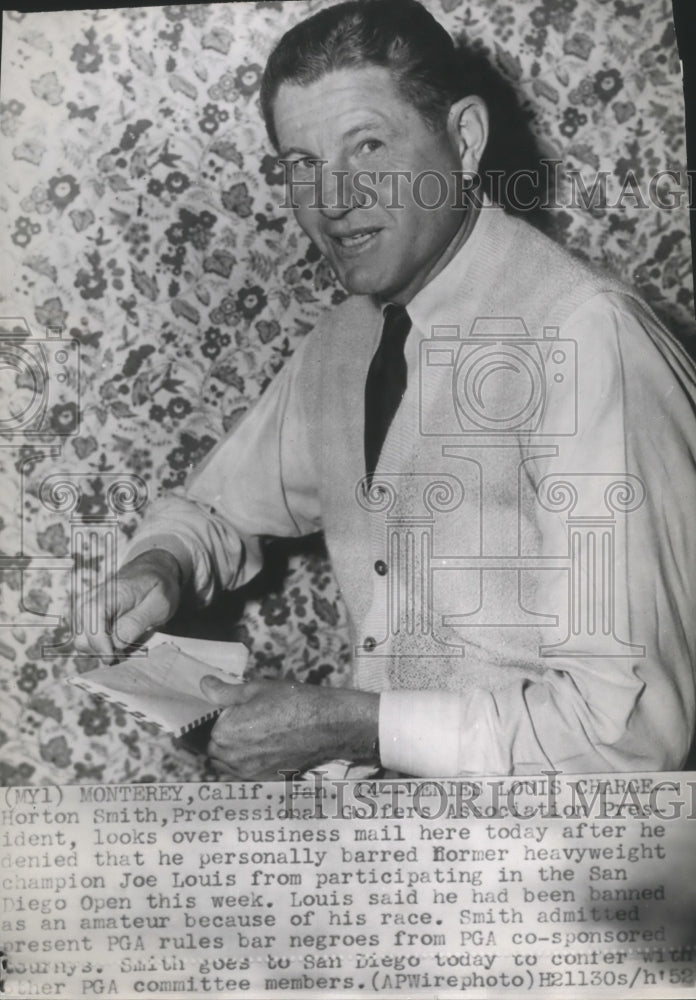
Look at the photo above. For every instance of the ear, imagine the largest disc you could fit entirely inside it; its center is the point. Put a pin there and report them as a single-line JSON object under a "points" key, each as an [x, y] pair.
{"points": [[467, 125]]}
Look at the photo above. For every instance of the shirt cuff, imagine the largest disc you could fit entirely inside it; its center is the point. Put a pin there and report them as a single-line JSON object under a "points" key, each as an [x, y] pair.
{"points": [[438, 734], [419, 732]]}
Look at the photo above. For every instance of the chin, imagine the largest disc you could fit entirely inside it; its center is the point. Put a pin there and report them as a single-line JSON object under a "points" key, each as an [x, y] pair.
{"points": [[362, 283]]}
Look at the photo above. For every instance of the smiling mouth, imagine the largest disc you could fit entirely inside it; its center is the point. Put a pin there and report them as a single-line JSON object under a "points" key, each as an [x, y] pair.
{"points": [[356, 241]]}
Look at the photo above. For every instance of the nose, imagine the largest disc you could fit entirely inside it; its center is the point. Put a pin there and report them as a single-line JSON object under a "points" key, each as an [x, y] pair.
{"points": [[338, 193]]}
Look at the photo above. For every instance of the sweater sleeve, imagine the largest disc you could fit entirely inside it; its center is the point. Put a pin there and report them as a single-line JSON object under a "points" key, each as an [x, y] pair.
{"points": [[609, 706], [258, 481]]}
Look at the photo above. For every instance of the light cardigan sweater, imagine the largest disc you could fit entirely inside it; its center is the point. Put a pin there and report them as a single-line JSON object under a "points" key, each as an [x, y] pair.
{"points": [[522, 578]]}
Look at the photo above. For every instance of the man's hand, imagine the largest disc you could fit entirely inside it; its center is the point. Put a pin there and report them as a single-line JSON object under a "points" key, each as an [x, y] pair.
{"points": [[270, 726], [143, 595]]}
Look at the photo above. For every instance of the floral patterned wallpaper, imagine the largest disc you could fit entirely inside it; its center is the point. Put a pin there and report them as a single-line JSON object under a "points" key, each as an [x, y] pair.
{"points": [[140, 208]]}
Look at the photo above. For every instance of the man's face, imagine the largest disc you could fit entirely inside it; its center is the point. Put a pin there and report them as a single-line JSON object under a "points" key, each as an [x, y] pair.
{"points": [[383, 241]]}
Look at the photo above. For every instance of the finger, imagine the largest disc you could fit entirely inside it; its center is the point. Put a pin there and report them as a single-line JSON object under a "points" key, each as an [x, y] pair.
{"points": [[224, 770], [83, 645], [91, 627], [220, 693], [95, 645], [132, 625], [224, 757], [233, 769]]}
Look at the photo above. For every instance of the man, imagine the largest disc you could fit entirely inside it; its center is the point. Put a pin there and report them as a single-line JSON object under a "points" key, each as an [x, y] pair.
{"points": [[511, 532]]}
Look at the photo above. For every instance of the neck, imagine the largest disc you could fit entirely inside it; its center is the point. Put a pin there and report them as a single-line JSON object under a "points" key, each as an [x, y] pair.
{"points": [[449, 251]]}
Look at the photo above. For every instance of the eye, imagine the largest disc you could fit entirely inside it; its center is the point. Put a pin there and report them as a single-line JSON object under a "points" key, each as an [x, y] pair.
{"points": [[301, 164], [370, 145]]}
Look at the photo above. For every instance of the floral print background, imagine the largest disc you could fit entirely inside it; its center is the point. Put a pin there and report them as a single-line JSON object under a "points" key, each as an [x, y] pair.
{"points": [[140, 209]]}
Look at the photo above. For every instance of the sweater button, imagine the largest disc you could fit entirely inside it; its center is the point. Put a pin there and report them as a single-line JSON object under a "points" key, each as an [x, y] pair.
{"points": [[381, 567], [369, 644]]}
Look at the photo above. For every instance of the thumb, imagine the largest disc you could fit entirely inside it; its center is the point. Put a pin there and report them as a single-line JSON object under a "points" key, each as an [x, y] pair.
{"points": [[131, 628], [221, 693], [133, 623]]}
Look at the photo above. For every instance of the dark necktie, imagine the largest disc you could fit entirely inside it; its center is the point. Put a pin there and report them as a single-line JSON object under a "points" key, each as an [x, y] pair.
{"points": [[386, 383]]}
